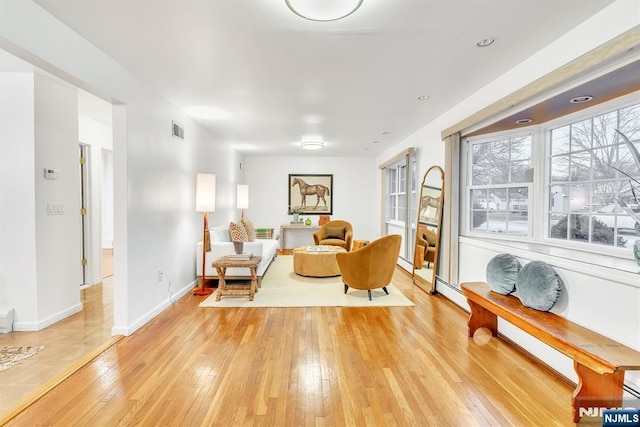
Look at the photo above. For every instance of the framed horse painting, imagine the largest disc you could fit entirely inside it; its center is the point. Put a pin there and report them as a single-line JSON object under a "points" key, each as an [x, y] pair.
{"points": [[310, 194]]}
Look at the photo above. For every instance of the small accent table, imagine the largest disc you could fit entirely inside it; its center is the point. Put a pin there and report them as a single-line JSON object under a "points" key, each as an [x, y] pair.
{"points": [[312, 263], [221, 265]]}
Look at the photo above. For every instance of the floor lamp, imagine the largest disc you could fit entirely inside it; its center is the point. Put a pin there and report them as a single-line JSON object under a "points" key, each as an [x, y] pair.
{"points": [[205, 203], [242, 198]]}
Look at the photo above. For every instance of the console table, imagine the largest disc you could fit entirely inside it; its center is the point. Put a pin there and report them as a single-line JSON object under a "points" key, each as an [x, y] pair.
{"points": [[290, 229]]}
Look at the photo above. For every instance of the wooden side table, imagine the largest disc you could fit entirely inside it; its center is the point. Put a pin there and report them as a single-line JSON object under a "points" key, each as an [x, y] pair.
{"points": [[221, 265]]}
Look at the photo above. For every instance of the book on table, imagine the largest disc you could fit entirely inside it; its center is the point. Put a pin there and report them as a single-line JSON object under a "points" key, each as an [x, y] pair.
{"points": [[319, 248], [243, 256]]}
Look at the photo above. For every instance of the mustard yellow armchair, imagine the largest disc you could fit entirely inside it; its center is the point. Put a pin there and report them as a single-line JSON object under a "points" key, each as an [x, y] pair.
{"points": [[371, 266], [336, 233]]}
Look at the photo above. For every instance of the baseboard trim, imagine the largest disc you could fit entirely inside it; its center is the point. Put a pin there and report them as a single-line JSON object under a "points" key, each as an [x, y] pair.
{"points": [[48, 321]]}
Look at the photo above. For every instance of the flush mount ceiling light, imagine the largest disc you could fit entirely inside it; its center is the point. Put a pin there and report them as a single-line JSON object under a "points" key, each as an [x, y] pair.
{"points": [[581, 99], [523, 121], [423, 97], [312, 142], [323, 10]]}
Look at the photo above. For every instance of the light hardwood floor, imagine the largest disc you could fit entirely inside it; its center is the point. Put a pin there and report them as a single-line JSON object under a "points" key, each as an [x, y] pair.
{"points": [[403, 366]]}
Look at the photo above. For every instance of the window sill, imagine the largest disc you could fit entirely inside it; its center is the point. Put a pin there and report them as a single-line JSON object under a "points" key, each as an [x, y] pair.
{"points": [[600, 265]]}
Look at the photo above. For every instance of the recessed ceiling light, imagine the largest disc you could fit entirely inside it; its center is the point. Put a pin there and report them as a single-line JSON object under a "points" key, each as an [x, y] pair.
{"points": [[375, 142], [322, 10], [423, 97], [523, 121], [485, 42], [386, 132], [581, 99]]}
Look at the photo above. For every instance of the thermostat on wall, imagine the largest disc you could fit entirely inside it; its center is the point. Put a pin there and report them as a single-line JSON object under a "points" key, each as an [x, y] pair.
{"points": [[51, 173]]}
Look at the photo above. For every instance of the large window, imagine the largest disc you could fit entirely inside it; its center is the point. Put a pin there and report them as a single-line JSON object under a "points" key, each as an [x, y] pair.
{"points": [[397, 192], [498, 191], [587, 177], [592, 175]]}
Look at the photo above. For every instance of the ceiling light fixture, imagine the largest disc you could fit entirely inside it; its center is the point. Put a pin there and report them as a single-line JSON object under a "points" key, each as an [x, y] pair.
{"points": [[423, 97], [312, 142], [523, 121], [581, 99], [323, 10]]}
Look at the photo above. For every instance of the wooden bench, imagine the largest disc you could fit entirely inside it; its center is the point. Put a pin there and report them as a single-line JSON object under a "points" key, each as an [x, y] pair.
{"points": [[600, 362]]}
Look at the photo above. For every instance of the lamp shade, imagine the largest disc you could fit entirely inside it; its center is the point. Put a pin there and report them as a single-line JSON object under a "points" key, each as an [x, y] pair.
{"points": [[242, 198], [205, 192]]}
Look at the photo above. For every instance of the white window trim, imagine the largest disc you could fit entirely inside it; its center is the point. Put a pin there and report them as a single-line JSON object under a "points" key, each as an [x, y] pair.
{"points": [[540, 151]]}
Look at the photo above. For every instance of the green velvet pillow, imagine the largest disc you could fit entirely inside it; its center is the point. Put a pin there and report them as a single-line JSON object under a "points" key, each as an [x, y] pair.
{"points": [[538, 286], [502, 271], [335, 233]]}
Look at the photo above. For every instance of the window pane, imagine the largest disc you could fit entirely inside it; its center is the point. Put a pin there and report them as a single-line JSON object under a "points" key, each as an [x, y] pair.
{"points": [[579, 228], [560, 140], [500, 152], [521, 148], [499, 173], [518, 199], [603, 158], [581, 136], [580, 166], [579, 197], [518, 170], [518, 223], [559, 199], [560, 169], [629, 122], [480, 174], [558, 226], [603, 129], [497, 222]]}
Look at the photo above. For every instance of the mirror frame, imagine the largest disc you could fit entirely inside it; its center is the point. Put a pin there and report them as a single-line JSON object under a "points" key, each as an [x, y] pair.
{"points": [[417, 280]]}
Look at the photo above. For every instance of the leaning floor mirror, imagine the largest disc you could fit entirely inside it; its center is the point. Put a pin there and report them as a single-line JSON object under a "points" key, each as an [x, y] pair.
{"points": [[428, 225]]}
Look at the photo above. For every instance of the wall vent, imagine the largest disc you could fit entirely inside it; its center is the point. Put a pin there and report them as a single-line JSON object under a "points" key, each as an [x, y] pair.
{"points": [[177, 130]]}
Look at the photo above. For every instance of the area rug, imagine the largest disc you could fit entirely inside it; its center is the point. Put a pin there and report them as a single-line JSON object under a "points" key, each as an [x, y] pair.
{"points": [[281, 287], [9, 356]]}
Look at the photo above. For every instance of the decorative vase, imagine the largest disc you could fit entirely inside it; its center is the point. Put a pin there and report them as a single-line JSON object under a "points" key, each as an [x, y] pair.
{"points": [[308, 221], [636, 251], [295, 217], [237, 246]]}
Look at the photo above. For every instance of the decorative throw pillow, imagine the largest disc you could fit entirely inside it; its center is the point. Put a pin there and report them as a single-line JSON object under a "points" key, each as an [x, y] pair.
{"points": [[335, 233], [237, 233], [248, 227], [502, 271], [538, 285]]}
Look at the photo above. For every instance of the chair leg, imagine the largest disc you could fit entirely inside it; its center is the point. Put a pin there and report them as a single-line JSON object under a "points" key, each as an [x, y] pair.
{"points": [[369, 291], [384, 288], [346, 288]]}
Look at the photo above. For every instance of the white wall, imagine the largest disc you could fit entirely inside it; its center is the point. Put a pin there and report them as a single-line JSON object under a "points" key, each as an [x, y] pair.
{"points": [[58, 247], [356, 190], [18, 280]]}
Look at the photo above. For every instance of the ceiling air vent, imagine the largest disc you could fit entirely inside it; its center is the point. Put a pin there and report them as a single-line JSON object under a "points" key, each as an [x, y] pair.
{"points": [[177, 130]]}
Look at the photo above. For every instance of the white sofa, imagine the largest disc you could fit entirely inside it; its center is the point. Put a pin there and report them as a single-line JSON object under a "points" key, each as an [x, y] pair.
{"points": [[221, 245]]}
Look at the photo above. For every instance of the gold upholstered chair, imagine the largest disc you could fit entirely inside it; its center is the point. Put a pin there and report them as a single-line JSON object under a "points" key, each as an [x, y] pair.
{"points": [[426, 241], [371, 266], [336, 233]]}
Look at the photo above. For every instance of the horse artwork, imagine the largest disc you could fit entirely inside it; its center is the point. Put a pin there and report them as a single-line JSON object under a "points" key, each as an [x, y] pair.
{"points": [[321, 188]]}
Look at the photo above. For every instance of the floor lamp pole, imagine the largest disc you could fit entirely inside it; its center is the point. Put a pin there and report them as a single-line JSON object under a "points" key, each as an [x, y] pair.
{"points": [[202, 291]]}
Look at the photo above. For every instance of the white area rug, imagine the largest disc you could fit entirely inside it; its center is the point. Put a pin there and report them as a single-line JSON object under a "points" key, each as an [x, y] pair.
{"points": [[281, 287]]}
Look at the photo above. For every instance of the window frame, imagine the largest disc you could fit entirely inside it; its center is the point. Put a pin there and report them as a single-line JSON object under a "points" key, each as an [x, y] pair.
{"points": [[539, 208], [468, 142]]}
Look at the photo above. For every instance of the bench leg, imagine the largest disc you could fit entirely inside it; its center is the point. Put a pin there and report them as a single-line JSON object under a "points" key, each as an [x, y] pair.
{"points": [[481, 318], [596, 390]]}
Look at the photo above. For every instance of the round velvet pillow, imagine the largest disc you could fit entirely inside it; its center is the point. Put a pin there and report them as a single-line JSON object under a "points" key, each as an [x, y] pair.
{"points": [[538, 286], [502, 271]]}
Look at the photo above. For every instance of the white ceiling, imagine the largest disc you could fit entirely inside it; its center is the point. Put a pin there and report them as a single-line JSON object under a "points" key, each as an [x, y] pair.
{"points": [[351, 81]]}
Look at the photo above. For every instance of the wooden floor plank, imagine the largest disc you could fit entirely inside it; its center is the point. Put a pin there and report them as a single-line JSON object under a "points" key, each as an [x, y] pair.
{"points": [[308, 366]]}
